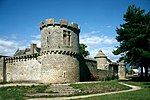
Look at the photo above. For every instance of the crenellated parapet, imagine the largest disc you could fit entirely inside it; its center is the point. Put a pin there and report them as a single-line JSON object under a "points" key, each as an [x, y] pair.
{"points": [[21, 58], [71, 53], [62, 23]]}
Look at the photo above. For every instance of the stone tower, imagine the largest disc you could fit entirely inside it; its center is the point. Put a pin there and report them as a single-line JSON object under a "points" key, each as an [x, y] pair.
{"points": [[59, 51], [101, 59]]}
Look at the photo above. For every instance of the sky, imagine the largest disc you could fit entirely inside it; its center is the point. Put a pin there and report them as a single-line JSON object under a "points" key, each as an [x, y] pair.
{"points": [[98, 19]]}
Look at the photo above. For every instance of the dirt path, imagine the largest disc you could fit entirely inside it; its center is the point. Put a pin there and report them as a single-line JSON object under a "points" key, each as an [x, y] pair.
{"points": [[18, 84], [134, 88]]}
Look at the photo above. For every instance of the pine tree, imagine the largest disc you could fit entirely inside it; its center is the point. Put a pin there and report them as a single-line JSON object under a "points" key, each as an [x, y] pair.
{"points": [[134, 38]]}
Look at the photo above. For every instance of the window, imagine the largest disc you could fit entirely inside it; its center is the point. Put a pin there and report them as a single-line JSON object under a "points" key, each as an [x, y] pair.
{"points": [[47, 39], [66, 38], [64, 74]]}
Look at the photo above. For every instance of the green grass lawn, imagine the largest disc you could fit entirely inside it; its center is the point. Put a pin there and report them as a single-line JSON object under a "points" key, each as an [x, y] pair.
{"points": [[19, 92], [143, 94], [100, 87]]}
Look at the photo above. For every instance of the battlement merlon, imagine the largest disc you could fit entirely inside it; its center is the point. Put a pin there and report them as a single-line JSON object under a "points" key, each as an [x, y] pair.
{"points": [[64, 23]]}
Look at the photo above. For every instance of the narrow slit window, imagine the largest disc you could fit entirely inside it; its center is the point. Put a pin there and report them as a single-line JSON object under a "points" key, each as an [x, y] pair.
{"points": [[68, 39], [64, 38], [47, 39], [64, 74]]}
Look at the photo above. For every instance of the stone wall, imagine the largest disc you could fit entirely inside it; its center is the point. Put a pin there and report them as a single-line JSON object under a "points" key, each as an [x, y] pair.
{"points": [[1, 69], [91, 64], [105, 75], [87, 67], [121, 70], [59, 68], [89, 71], [23, 70]]}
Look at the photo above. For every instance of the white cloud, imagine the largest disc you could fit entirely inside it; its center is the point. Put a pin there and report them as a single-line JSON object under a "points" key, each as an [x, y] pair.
{"points": [[108, 26], [93, 39], [94, 32], [96, 42], [105, 26], [8, 48], [108, 52], [37, 36], [13, 36], [108, 40], [38, 42]]}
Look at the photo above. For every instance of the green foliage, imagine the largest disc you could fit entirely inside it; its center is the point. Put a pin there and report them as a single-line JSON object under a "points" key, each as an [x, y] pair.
{"points": [[126, 69], [95, 77], [41, 89], [130, 72], [5, 82], [134, 37], [82, 50]]}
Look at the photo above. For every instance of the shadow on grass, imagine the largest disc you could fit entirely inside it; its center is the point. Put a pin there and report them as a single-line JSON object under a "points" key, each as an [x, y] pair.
{"points": [[137, 79]]}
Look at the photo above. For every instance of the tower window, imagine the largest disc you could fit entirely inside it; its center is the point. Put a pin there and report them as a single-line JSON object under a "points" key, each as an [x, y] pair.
{"points": [[47, 40], [66, 38]]}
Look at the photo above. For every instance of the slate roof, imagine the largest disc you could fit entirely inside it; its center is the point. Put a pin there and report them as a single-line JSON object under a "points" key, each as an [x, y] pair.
{"points": [[38, 49], [24, 51], [100, 54], [19, 52]]}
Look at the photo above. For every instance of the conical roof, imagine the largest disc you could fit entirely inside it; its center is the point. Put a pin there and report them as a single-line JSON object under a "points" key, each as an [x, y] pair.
{"points": [[100, 54]]}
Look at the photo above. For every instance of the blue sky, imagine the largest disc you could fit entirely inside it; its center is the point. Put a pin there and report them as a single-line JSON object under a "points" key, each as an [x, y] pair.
{"points": [[19, 21]]}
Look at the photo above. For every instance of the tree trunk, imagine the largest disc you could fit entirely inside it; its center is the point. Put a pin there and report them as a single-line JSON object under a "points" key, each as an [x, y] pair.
{"points": [[146, 73], [141, 76]]}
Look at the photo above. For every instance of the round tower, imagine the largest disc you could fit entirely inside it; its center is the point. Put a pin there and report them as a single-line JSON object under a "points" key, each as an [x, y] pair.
{"points": [[59, 51], [101, 59]]}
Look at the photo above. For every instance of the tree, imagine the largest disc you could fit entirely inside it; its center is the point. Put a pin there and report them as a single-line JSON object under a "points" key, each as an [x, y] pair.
{"points": [[82, 50], [134, 38]]}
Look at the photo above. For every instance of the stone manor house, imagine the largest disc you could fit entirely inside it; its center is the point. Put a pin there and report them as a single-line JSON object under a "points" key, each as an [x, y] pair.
{"points": [[58, 60]]}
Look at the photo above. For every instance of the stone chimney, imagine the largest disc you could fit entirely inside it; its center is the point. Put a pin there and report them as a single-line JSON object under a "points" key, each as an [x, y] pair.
{"points": [[32, 48]]}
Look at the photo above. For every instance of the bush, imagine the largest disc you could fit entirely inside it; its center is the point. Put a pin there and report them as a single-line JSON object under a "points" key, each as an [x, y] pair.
{"points": [[96, 77]]}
